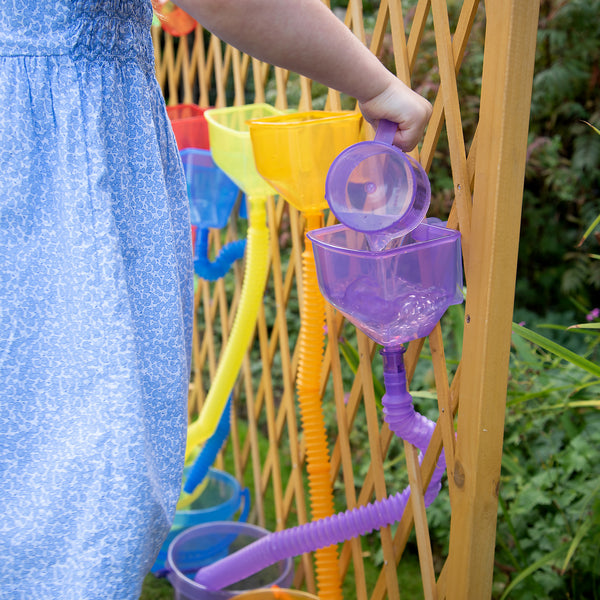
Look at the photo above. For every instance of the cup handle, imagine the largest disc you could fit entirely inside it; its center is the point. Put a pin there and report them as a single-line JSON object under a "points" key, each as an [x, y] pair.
{"points": [[245, 494], [386, 131]]}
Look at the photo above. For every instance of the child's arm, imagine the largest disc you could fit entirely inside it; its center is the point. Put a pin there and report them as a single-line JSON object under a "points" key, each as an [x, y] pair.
{"points": [[304, 36]]}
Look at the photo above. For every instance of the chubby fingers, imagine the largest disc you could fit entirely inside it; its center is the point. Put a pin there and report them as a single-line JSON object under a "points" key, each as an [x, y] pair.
{"points": [[400, 104]]}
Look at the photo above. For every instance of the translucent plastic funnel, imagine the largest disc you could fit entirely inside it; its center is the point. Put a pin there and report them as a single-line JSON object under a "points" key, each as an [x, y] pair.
{"points": [[394, 295], [231, 146], [375, 188], [173, 19], [232, 152], [210, 192], [293, 152], [189, 126]]}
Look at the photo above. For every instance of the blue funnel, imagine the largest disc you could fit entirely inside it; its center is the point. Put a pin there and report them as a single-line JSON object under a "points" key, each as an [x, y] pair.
{"points": [[210, 192]]}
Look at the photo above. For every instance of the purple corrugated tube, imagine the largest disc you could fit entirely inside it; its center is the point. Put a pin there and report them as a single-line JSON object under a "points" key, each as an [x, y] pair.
{"points": [[405, 422], [303, 538], [402, 418]]}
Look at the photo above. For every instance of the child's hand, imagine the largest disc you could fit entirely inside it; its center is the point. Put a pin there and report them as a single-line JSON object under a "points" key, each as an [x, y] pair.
{"points": [[400, 104]]}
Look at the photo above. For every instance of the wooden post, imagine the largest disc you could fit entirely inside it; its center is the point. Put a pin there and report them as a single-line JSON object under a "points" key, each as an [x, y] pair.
{"points": [[502, 140]]}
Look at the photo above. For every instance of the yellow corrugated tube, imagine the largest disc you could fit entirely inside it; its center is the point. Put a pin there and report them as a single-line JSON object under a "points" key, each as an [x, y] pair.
{"points": [[253, 286], [313, 424]]}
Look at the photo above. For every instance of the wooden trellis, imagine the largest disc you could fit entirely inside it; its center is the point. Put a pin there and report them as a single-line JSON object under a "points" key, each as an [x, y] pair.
{"points": [[266, 447]]}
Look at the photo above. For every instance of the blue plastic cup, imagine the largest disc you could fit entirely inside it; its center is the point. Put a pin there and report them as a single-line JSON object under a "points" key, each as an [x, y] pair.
{"points": [[219, 501]]}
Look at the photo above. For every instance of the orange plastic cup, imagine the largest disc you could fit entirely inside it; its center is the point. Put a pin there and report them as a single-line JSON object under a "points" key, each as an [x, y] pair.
{"points": [[275, 594]]}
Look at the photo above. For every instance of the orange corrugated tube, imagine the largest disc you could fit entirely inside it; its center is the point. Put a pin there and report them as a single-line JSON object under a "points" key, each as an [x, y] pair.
{"points": [[311, 413]]}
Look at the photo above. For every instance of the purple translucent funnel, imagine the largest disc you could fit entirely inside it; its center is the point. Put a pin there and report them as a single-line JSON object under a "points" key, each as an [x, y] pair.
{"points": [[375, 188], [394, 295]]}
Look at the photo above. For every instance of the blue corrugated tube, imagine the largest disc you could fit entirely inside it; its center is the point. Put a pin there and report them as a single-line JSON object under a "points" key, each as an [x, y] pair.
{"points": [[213, 270], [404, 421], [209, 451]]}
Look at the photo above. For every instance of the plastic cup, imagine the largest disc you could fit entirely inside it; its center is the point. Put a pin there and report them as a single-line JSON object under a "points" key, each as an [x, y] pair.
{"points": [[204, 544], [375, 188], [189, 126], [276, 594], [220, 500]]}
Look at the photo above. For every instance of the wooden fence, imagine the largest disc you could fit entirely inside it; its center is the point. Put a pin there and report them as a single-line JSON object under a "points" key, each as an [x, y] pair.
{"points": [[266, 451]]}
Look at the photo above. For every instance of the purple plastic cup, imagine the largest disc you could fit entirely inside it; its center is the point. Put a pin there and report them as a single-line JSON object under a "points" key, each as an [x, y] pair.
{"points": [[207, 543], [375, 188]]}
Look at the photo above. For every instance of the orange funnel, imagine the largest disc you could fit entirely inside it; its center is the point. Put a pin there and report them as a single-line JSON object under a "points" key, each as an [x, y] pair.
{"points": [[293, 152]]}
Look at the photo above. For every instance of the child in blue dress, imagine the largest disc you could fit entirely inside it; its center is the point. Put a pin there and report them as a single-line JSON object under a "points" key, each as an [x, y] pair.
{"points": [[96, 273]]}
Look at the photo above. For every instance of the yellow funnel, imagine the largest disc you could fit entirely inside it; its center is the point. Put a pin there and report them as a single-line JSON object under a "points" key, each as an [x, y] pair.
{"points": [[231, 149], [293, 152], [231, 146]]}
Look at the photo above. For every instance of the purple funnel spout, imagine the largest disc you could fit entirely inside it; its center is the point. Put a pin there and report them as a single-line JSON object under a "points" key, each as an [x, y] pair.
{"points": [[402, 418]]}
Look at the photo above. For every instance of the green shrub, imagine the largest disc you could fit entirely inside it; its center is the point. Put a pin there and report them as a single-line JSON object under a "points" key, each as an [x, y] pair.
{"points": [[562, 185]]}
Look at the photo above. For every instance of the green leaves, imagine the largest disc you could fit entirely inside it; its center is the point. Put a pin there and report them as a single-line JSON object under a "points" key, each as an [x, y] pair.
{"points": [[549, 516], [546, 560], [557, 350]]}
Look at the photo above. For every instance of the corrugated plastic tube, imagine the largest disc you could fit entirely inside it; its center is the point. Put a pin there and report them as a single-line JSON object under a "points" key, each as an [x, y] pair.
{"points": [[311, 412], [213, 270], [209, 451], [303, 538], [402, 418], [253, 286]]}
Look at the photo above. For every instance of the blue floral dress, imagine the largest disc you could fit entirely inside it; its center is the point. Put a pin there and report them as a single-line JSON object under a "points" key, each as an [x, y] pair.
{"points": [[95, 301]]}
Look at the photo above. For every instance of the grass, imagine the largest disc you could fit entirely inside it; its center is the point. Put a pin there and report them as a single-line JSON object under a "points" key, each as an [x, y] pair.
{"points": [[156, 589]]}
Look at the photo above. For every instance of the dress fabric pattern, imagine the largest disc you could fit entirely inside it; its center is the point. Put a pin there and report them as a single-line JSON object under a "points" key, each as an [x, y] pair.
{"points": [[95, 301]]}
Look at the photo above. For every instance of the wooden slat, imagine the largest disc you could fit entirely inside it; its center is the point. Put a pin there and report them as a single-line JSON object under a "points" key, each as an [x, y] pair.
{"points": [[417, 502], [505, 99], [458, 158]]}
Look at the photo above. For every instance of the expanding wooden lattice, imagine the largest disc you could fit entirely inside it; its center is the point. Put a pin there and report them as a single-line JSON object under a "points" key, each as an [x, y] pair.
{"points": [[266, 447]]}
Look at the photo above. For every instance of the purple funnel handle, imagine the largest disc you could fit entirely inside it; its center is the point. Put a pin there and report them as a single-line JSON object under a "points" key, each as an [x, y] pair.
{"points": [[386, 131], [303, 538]]}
